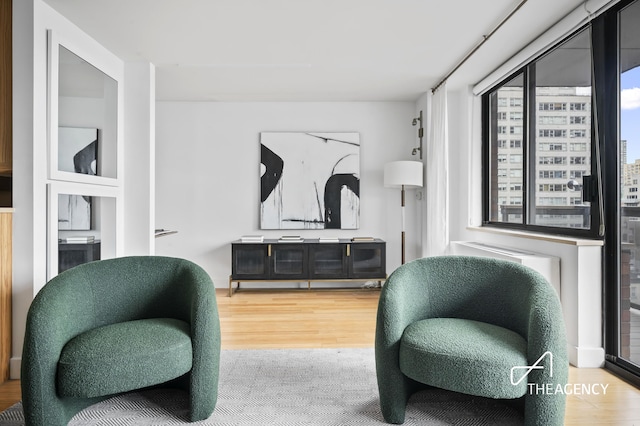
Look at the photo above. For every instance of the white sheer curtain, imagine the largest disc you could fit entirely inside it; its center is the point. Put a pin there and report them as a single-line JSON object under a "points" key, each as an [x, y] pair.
{"points": [[437, 174]]}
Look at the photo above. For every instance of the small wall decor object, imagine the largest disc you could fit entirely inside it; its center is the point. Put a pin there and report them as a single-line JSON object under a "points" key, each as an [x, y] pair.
{"points": [[310, 180]]}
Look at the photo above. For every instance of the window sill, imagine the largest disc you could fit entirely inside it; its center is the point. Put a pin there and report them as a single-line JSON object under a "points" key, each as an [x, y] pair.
{"points": [[537, 236]]}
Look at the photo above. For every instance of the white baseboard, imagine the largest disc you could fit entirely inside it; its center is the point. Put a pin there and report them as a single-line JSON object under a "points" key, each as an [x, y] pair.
{"points": [[586, 357]]}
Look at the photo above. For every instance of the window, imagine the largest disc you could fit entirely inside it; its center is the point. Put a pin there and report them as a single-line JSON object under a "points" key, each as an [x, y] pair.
{"points": [[553, 147], [499, 176], [556, 187], [552, 106], [552, 174], [577, 146], [552, 160], [553, 121], [552, 133]]}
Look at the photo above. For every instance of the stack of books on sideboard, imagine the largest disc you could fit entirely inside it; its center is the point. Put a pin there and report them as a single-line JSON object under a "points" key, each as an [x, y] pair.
{"points": [[291, 239], [79, 239], [299, 239], [252, 238]]}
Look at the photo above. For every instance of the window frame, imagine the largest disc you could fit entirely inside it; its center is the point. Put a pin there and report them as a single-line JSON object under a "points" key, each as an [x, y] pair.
{"points": [[529, 137]]}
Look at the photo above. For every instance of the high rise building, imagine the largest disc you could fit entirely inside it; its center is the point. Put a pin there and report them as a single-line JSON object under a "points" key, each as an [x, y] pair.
{"points": [[562, 150]]}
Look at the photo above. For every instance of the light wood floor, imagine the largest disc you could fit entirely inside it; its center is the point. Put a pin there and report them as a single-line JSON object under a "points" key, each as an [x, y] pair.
{"points": [[322, 318]]}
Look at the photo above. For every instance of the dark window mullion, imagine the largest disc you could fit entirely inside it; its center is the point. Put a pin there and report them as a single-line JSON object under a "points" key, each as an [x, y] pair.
{"points": [[530, 150]]}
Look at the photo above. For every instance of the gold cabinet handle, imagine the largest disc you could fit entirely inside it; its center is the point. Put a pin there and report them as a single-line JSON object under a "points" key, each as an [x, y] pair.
{"points": [[348, 250]]}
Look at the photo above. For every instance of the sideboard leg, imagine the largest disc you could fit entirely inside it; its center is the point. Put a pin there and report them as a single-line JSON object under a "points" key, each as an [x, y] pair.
{"points": [[231, 286]]}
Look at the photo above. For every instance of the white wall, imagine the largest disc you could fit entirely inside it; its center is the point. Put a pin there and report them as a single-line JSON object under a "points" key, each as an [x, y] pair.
{"points": [[139, 161], [24, 127], [208, 173], [31, 20]]}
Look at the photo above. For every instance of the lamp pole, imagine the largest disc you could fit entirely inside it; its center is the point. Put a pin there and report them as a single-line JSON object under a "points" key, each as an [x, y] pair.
{"points": [[402, 235]]}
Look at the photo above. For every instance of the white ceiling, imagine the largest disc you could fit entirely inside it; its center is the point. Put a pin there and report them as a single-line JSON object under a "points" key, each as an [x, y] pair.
{"points": [[310, 50]]}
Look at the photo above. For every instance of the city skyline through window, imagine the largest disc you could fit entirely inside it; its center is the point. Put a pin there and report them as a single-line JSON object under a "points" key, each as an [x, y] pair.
{"points": [[540, 140]]}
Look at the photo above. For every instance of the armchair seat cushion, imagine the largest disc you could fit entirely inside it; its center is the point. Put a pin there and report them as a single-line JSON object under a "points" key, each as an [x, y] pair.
{"points": [[124, 356], [459, 351]]}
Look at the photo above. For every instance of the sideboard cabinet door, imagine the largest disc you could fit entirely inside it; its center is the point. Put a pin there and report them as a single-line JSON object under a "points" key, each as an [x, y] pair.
{"points": [[289, 261], [250, 261], [367, 260]]}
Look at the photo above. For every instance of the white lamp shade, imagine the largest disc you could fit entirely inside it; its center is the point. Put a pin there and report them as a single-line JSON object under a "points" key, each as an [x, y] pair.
{"points": [[407, 173]]}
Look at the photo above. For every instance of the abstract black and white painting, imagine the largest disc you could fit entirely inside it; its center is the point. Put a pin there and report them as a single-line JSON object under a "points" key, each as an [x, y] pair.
{"points": [[77, 150], [74, 212], [77, 153], [310, 180]]}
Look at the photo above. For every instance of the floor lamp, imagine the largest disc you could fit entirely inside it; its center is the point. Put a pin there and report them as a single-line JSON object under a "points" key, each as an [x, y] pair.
{"points": [[403, 174]]}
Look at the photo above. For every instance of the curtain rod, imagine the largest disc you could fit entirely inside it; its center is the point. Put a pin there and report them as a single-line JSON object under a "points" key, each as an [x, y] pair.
{"points": [[475, 49]]}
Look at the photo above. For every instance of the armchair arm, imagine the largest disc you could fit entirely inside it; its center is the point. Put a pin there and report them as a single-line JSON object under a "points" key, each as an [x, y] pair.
{"points": [[205, 338], [59, 312], [546, 334], [404, 299]]}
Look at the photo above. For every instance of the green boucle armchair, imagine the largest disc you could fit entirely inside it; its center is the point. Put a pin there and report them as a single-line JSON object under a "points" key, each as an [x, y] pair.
{"points": [[116, 325], [471, 325]]}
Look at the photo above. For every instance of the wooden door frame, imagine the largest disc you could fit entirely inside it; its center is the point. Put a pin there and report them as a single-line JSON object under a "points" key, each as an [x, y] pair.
{"points": [[6, 215], [6, 221]]}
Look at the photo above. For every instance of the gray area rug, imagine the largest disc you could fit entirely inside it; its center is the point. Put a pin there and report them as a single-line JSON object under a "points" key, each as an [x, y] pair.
{"points": [[290, 387]]}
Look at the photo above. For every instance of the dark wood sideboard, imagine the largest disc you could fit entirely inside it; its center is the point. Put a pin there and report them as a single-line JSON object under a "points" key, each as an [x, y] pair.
{"points": [[307, 261]]}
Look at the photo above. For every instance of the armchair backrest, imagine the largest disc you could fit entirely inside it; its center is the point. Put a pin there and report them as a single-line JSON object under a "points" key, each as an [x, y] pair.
{"points": [[124, 289], [483, 289]]}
